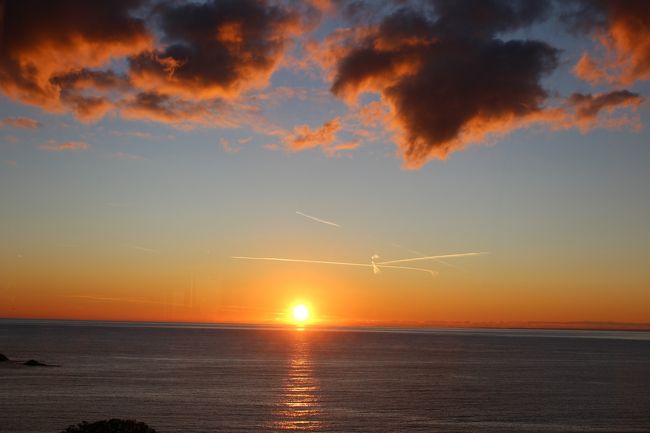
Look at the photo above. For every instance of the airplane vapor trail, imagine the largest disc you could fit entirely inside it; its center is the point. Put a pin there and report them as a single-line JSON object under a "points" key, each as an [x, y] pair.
{"points": [[429, 271], [321, 262], [322, 221], [327, 262], [443, 256]]}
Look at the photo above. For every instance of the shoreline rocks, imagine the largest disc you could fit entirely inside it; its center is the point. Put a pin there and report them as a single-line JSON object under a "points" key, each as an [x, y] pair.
{"points": [[29, 363]]}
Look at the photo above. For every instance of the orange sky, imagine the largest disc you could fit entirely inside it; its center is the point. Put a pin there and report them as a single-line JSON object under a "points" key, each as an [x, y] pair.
{"points": [[141, 149]]}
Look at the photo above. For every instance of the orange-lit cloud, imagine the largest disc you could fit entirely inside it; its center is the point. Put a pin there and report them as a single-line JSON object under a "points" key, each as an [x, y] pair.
{"points": [[53, 146], [324, 137], [305, 137], [339, 147], [59, 56], [623, 30], [588, 107]]}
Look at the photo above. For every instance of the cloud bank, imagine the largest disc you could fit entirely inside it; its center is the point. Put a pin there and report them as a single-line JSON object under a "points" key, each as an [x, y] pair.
{"points": [[447, 73]]}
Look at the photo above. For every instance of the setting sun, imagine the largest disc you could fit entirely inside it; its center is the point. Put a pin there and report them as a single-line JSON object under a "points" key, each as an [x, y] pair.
{"points": [[300, 313]]}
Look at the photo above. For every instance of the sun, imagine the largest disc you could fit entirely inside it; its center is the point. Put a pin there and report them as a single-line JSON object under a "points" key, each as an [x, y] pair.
{"points": [[300, 313]]}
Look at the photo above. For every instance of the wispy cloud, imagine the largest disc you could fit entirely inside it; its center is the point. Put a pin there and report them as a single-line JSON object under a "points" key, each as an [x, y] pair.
{"points": [[227, 146], [128, 156], [53, 146], [20, 122], [141, 248]]}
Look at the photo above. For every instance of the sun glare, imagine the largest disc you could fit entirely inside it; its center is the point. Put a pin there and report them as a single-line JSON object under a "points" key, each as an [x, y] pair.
{"points": [[300, 313]]}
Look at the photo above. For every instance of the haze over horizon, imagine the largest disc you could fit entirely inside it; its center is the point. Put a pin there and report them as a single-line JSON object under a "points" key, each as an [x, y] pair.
{"points": [[144, 144]]}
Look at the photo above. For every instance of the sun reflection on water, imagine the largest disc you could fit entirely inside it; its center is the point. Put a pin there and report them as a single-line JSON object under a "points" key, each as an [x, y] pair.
{"points": [[298, 407]]}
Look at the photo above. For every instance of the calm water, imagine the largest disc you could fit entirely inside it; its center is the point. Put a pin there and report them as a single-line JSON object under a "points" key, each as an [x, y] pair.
{"points": [[235, 380]]}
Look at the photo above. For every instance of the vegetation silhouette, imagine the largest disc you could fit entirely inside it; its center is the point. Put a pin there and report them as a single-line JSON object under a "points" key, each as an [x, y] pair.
{"points": [[3, 358], [110, 426], [35, 363]]}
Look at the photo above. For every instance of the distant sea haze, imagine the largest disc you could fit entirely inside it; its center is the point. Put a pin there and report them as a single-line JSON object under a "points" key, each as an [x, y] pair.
{"points": [[191, 379]]}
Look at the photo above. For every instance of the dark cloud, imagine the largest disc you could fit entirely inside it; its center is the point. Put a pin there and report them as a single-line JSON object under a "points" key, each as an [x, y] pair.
{"points": [[448, 76], [78, 91], [86, 78], [215, 49], [44, 39], [161, 107], [56, 54]]}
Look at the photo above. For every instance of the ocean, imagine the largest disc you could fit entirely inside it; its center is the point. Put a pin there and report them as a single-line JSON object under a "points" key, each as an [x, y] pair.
{"points": [[195, 378]]}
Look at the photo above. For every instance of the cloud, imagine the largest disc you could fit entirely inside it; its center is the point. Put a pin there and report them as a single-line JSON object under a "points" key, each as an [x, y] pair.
{"points": [[20, 122], [128, 156], [155, 60], [304, 137], [43, 40], [53, 146], [588, 106], [447, 77], [179, 112], [335, 149], [227, 146], [214, 49], [622, 29], [597, 111]]}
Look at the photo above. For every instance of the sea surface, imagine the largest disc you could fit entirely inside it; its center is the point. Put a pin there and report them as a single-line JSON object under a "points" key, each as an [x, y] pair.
{"points": [[191, 379]]}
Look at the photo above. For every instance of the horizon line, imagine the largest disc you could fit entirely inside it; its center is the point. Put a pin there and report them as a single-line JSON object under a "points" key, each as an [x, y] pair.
{"points": [[461, 325]]}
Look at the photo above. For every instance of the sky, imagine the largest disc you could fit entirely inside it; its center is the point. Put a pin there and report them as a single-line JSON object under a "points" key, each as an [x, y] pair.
{"points": [[144, 144]]}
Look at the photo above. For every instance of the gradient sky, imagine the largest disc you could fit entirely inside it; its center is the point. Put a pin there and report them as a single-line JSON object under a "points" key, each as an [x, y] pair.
{"points": [[142, 144]]}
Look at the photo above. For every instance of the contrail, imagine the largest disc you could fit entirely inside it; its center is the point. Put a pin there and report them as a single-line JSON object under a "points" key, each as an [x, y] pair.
{"points": [[321, 262], [429, 271], [444, 256], [329, 223], [327, 262]]}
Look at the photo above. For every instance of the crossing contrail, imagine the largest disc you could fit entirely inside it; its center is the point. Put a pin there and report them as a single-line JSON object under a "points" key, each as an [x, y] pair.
{"points": [[442, 262], [322, 221], [375, 266]]}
